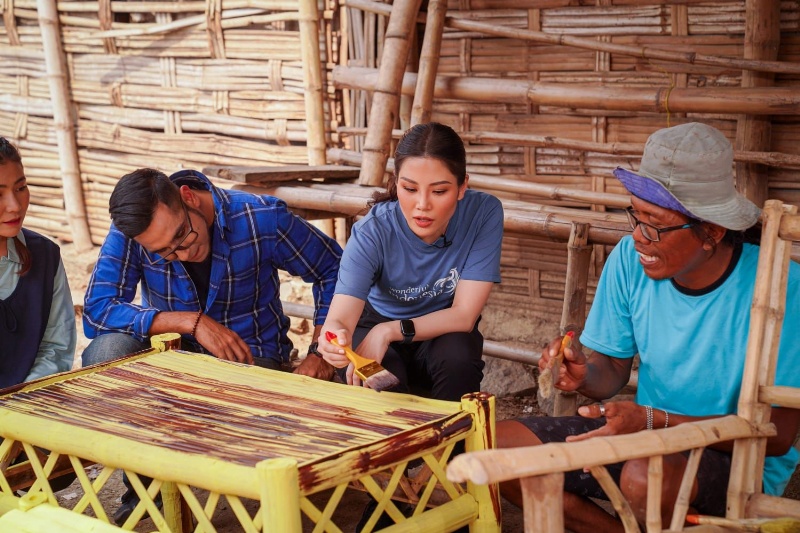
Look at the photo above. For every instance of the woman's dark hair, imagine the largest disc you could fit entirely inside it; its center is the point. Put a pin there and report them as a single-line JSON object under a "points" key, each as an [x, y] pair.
{"points": [[135, 198], [432, 140], [10, 154]]}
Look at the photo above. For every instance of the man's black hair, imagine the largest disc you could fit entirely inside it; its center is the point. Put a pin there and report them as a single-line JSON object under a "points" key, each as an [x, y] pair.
{"points": [[136, 197]]}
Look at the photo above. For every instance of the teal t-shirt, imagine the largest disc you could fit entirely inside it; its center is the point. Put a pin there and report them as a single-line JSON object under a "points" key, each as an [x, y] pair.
{"points": [[401, 276], [692, 347]]}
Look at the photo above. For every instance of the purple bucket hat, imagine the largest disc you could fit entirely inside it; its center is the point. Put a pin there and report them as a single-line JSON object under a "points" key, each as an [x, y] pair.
{"points": [[689, 169]]}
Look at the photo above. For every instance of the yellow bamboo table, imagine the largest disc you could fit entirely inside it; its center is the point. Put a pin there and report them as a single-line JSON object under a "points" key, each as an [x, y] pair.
{"points": [[241, 432]]}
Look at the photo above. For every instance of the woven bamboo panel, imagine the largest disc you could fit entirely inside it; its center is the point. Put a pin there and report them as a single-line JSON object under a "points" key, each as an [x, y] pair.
{"points": [[534, 268], [168, 85]]}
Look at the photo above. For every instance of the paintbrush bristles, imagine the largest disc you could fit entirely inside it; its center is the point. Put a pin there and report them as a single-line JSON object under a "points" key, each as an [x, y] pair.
{"points": [[371, 372], [377, 377]]}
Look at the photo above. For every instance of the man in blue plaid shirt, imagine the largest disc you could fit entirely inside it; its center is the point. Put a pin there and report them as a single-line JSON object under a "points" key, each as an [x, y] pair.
{"points": [[207, 260]]}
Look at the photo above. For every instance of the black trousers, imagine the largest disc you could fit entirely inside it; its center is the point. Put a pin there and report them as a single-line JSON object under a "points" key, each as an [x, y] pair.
{"points": [[444, 368]]}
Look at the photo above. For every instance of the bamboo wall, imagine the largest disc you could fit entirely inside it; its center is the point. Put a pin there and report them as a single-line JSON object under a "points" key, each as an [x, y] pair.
{"points": [[166, 84], [189, 84], [534, 267]]}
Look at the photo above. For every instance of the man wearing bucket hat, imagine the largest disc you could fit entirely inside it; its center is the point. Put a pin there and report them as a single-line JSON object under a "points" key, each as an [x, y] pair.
{"points": [[677, 292]]}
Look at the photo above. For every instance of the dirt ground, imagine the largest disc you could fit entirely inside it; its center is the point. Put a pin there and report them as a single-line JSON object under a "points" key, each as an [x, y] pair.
{"points": [[79, 267]]}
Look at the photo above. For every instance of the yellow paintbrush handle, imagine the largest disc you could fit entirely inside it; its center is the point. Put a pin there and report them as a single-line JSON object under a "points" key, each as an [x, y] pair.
{"points": [[356, 359]]}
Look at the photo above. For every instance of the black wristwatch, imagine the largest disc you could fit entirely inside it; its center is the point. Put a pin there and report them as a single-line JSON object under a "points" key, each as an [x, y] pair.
{"points": [[312, 349], [408, 331]]}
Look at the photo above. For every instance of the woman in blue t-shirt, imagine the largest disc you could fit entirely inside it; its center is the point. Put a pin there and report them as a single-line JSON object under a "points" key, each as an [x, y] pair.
{"points": [[417, 271]]}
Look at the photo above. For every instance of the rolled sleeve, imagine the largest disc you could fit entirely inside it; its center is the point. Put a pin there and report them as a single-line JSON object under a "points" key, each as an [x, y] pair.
{"points": [[108, 303]]}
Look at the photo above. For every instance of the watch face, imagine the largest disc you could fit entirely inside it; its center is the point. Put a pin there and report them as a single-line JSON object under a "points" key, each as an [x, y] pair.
{"points": [[407, 328]]}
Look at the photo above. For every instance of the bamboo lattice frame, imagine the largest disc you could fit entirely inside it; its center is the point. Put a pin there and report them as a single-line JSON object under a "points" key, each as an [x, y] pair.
{"points": [[192, 421]]}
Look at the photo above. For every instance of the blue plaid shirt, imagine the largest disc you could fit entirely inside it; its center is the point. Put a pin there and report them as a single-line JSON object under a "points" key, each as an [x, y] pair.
{"points": [[253, 237]]}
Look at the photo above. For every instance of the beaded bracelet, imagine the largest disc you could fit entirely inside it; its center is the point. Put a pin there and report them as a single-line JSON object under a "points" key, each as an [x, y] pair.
{"points": [[666, 419], [649, 412], [196, 322]]}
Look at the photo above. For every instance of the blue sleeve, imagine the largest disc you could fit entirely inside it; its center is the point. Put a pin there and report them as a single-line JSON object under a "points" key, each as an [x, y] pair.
{"points": [[483, 261], [361, 262], [789, 355], [609, 328], [112, 288], [304, 251]]}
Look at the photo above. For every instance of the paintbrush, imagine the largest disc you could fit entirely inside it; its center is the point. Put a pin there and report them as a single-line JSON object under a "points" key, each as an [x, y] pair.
{"points": [[553, 365], [760, 525], [373, 374]]}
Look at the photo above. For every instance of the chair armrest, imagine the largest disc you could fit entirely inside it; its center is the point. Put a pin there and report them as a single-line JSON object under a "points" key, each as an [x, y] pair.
{"points": [[494, 466]]}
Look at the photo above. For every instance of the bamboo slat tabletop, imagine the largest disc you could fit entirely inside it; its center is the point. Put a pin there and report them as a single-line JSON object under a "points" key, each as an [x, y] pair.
{"points": [[196, 404]]}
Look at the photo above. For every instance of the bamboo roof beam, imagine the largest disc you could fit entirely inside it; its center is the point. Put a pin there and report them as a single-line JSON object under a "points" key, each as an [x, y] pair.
{"points": [[63, 122], [771, 159], [645, 52], [429, 62], [726, 100], [386, 100]]}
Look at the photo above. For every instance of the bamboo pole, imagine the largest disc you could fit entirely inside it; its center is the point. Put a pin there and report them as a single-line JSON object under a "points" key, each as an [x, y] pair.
{"points": [[762, 37], [429, 62], [543, 503], [772, 159], [724, 100], [488, 183], [312, 81], [386, 100], [512, 463], [573, 312], [55, 62], [766, 320], [590, 44]]}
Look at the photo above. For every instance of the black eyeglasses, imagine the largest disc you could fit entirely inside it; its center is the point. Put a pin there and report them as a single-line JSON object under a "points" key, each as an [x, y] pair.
{"points": [[652, 233], [172, 255]]}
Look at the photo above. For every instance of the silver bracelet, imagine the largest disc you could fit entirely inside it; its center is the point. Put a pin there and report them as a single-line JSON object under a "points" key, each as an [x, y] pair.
{"points": [[666, 419], [649, 412]]}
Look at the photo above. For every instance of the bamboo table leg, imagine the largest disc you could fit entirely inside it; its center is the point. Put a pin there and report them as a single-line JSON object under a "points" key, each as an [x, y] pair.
{"points": [[482, 407], [280, 495]]}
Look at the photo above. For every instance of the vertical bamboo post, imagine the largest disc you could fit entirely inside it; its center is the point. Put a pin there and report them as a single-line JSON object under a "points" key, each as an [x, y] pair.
{"points": [[766, 320], [655, 478], [762, 37], [280, 495], [543, 503], [407, 100], [386, 97], [312, 81], [429, 62], [56, 64], [573, 314], [482, 407]]}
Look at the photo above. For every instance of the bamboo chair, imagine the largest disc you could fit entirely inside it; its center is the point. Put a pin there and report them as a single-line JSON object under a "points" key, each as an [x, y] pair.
{"points": [[541, 468]]}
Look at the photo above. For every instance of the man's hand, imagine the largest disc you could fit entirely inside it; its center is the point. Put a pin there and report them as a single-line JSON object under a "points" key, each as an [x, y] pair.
{"points": [[222, 342], [572, 372], [621, 418], [315, 367]]}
